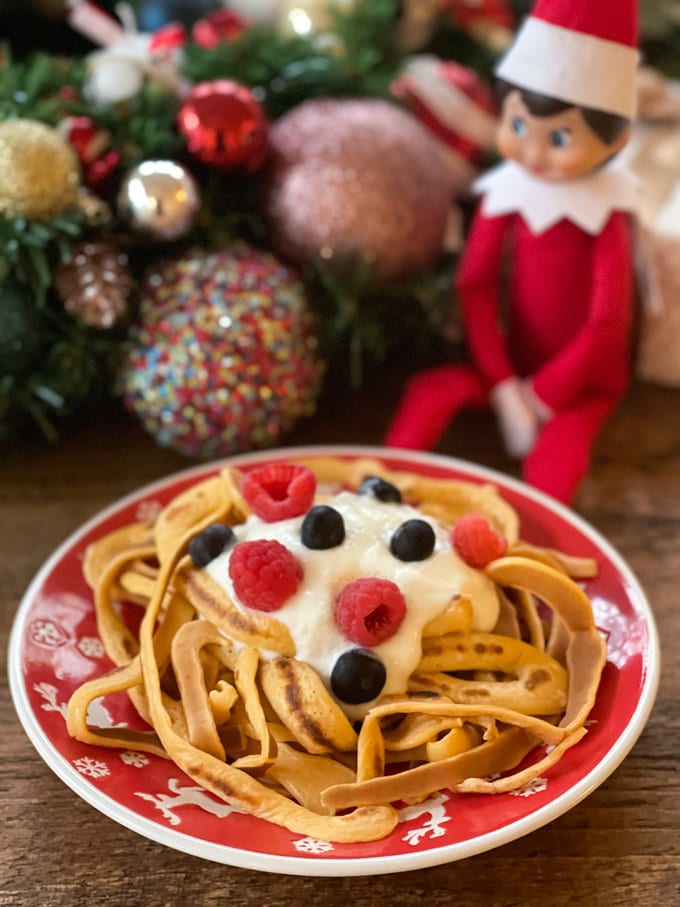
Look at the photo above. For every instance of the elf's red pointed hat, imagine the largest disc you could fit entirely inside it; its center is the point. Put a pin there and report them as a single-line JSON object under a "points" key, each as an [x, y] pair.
{"points": [[583, 52]]}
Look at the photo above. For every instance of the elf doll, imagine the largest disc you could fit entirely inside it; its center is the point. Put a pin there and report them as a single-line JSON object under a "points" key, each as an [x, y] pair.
{"points": [[545, 281]]}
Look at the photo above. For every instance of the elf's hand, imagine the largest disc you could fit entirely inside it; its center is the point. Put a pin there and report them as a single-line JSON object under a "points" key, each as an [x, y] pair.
{"points": [[517, 422], [540, 409]]}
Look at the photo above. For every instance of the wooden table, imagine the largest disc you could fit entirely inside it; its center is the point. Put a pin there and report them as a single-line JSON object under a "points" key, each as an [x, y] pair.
{"points": [[619, 846]]}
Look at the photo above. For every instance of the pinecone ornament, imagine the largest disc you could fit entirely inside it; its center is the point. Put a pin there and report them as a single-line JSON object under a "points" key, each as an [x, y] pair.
{"points": [[94, 285]]}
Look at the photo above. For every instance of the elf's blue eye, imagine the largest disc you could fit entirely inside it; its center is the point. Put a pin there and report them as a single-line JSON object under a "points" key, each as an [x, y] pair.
{"points": [[518, 126], [559, 138]]}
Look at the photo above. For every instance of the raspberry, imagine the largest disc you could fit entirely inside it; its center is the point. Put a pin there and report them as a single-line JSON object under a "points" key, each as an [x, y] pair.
{"points": [[476, 541], [265, 574], [279, 491], [369, 610]]}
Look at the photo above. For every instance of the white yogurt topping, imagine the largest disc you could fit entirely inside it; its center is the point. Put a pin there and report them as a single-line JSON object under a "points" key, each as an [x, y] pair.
{"points": [[428, 586]]}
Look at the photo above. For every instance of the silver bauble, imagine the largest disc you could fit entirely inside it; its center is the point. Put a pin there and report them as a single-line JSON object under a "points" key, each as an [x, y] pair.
{"points": [[160, 199]]}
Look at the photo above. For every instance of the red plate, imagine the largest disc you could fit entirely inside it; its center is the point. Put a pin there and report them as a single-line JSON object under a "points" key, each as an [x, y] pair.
{"points": [[54, 648]]}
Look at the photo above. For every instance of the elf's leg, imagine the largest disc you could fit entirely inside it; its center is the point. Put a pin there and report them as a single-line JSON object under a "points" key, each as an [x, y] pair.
{"points": [[431, 400], [561, 455]]}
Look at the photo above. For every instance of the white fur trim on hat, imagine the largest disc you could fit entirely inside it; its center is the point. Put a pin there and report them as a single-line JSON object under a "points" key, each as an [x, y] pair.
{"points": [[449, 104], [572, 66]]}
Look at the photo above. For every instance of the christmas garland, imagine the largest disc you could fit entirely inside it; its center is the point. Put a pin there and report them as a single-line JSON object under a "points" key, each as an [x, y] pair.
{"points": [[75, 254], [53, 362]]}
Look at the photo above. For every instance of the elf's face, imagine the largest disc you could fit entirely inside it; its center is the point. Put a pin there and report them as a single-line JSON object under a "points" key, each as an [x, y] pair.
{"points": [[554, 148]]}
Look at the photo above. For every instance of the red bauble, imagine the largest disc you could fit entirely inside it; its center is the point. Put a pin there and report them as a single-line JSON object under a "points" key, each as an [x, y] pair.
{"points": [[468, 13], [92, 144], [224, 126], [218, 26]]}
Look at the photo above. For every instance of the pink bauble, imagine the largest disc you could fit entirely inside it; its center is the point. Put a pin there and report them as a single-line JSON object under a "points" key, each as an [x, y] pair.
{"points": [[352, 181]]}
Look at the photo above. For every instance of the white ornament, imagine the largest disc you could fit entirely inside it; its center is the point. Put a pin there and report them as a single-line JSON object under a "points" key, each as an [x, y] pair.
{"points": [[117, 72], [112, 78]]}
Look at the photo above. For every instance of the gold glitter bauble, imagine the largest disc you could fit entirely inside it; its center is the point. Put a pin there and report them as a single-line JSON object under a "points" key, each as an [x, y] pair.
{"points": [[356, 181], [39, 171]]}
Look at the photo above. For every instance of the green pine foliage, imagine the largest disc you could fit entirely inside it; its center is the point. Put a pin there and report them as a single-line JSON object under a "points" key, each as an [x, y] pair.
{"points": [[74, 365], [359, 59]]}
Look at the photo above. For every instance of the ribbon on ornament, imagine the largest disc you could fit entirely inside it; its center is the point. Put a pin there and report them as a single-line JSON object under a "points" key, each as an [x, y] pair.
{"points": [[128, 56]]}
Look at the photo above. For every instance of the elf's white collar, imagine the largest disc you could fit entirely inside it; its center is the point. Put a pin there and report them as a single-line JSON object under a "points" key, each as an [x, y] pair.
{"points": [[587, 202]]}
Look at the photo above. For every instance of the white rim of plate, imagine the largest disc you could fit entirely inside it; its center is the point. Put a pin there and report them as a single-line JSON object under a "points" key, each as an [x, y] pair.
{"points": [[329, 866]]}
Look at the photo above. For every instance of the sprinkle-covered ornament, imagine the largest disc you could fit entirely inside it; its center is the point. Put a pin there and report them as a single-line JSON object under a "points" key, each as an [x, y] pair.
{"points": [[224, 357], [356, 181]]}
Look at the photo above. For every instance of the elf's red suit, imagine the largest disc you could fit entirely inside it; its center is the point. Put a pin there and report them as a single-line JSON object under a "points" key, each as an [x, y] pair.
{"points": [[567, 294]]}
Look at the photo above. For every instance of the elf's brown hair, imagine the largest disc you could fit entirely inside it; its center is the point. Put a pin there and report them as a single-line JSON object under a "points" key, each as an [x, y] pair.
{"points": [[606, 126]]}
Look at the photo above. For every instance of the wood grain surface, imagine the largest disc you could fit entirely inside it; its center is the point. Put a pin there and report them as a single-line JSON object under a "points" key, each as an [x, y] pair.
{"points": [[621, 845]]}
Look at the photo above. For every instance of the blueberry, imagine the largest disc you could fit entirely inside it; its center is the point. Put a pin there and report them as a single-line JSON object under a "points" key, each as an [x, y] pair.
{"points": [[322, 528], [357, 676], [380, 489], [210, 543], [413, 541]]}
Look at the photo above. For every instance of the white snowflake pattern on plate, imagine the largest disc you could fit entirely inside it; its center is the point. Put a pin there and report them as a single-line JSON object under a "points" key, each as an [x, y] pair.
{"points": [[623, 642], [134, 758], [532, 787], [91, 647], [148, 511], [93, 768], [47, 633], [312, 845]]}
